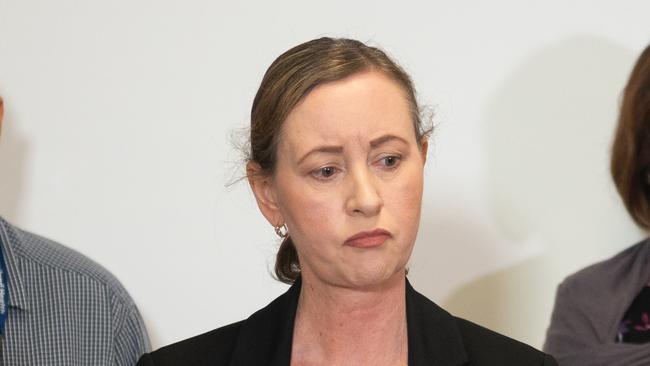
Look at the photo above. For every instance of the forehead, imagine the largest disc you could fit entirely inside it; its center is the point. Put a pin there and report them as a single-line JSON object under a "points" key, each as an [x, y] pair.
{"points": [[360, 107]]}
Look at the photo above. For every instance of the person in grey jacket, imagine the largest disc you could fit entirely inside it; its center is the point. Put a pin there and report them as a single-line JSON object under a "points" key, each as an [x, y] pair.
{"points": [[602, 313]]}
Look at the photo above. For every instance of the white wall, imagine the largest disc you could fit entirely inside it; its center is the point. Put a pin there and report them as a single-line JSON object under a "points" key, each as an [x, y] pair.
{"points": [[116, 143]]}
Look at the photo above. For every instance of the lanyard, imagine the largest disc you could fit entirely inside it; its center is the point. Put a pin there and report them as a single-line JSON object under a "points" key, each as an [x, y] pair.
{"points": [[4, 293]]}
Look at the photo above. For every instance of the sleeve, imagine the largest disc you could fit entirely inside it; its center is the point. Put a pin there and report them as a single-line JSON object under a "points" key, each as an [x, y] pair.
{"points": [[145, 360], [571, 338], [131, 340], [549, 361]]}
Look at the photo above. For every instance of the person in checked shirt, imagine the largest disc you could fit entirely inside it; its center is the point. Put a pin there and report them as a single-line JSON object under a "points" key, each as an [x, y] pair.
{"points": [[58, 307]]}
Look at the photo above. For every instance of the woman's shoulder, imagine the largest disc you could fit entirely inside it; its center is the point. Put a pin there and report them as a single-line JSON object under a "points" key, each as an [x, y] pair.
{"points": [[438, 335], [486, 347], [597, 276], [211, 348], [266, 330]]}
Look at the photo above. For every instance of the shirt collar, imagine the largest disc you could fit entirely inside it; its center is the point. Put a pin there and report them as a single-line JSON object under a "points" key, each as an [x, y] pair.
{"points": [[267, 335], [8, 237], [433, 335]]}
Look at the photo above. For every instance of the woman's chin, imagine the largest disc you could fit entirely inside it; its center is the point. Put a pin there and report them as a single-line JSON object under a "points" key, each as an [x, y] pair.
{"points": [[374, 278], [366, 275]]}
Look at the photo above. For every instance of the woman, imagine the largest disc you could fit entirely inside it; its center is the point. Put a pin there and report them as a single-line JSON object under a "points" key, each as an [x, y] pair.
{"points": [[601, 314], [336, 165]]}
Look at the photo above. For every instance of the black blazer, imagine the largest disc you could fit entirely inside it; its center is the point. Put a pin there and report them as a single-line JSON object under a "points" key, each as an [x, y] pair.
{"points": [[434, 338]]}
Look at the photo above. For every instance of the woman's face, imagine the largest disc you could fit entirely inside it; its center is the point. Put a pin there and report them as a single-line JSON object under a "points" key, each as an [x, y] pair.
{"points": [[348, 181]]}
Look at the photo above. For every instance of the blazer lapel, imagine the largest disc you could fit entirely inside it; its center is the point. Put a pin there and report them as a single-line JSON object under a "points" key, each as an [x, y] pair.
{"points": [[266, 336], [433, 336]]}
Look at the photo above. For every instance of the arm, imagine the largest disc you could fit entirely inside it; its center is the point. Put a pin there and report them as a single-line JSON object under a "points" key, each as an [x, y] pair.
{"points": [[145, 360], [131, 339], [549, 361]]}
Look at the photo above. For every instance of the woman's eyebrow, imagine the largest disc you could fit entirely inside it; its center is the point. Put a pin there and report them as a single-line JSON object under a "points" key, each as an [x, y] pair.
{"points": [[386, 138], [336, 149], [331, 149]]}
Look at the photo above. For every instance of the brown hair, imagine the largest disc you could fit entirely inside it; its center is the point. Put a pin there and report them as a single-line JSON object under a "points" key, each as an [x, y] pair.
{"points": [[630, 165], [288, 80]]}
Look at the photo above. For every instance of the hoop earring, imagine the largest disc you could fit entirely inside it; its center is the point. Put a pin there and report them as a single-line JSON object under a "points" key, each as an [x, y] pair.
{"points": [[282, 231]]}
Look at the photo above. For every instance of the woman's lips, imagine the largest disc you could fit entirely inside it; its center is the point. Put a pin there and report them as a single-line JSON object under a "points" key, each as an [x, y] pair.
{"points": [[368, 239]]}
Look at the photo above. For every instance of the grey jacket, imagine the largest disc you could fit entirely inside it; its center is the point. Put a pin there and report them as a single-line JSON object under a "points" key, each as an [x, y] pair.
{"points": [[589, 306]]}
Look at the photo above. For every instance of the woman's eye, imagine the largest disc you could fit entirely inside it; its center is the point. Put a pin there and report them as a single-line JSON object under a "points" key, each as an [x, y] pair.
{"points": [[325, 172], [390, 161]]}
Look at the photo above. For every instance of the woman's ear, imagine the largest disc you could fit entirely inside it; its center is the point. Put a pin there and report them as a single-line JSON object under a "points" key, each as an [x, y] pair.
{"points": [[424, 147], [264, 191]]}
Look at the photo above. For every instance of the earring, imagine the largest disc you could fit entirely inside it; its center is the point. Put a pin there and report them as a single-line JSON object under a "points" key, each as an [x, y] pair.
{"points": [[282, 230]]}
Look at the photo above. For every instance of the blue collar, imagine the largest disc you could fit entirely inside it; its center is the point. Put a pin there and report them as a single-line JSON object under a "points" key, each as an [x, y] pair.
{"points": [[10, 249]]}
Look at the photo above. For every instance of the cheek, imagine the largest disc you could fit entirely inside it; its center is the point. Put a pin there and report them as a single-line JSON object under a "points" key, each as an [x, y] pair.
{"points": [[403, 200], [309, 212]]}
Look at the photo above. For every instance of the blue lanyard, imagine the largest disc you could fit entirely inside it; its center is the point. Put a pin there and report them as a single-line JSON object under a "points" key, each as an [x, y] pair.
{"points": [[4, 293]]}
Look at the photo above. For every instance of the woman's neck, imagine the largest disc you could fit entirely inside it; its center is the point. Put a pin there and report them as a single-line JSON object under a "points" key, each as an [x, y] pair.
{"points": [[340, 326]]}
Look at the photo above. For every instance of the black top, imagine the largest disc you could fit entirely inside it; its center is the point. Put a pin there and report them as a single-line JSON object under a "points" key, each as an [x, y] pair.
{"points": [[635, 326], [434, 338]]}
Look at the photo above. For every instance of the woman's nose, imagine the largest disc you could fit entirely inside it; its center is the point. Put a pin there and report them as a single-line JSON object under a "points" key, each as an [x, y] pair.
{"points": [[364, 198]]}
